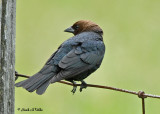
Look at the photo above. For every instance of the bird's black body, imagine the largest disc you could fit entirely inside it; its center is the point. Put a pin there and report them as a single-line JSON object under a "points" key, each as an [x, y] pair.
{"points": [[84, 57], [74, 60]]}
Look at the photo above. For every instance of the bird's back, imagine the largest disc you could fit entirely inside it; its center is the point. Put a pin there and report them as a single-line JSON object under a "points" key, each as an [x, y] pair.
{"points": [[86, 54]]}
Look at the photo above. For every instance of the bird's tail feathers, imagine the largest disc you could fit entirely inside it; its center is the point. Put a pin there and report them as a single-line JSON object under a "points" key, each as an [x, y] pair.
{"points": [[37, 82]]}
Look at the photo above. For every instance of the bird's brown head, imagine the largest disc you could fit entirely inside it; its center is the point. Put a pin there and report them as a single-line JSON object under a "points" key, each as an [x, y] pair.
{"points": [[84, 26]]}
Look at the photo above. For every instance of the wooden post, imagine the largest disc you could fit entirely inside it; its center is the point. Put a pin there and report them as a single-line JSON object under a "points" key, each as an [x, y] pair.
{"points": [[7, 55]]}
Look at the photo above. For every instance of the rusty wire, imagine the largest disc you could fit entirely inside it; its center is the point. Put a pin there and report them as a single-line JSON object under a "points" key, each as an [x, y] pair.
{"points": [[140, 94]]}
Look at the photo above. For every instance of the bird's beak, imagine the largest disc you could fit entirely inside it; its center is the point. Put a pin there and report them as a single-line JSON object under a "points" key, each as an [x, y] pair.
{"points": [[70, 29]]}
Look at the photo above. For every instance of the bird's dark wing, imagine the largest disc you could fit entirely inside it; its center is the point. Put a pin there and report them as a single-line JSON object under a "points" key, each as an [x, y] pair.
{"points": [[79, 60]]}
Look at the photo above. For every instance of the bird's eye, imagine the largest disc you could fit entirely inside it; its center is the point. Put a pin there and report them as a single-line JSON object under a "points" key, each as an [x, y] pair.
{"points": [[76, 27]]}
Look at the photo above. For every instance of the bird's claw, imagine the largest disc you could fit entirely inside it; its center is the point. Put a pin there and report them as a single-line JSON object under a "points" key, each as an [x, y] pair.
{"points": [[83, 86], [74, 89]]}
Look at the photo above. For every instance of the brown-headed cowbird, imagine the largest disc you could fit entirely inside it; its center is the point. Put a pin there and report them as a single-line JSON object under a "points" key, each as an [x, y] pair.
{"points": [[74, 60]]}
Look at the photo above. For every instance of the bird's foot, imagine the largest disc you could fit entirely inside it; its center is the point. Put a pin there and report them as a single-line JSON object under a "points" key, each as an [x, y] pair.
{"points": [[74, 87], [83, 86]]}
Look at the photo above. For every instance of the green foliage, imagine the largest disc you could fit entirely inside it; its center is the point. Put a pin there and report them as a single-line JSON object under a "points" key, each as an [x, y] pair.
{"points": [[132, 59]]}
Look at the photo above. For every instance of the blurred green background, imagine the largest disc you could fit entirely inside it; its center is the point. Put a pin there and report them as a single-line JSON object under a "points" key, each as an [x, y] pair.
{"points": [[132, 58]]}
